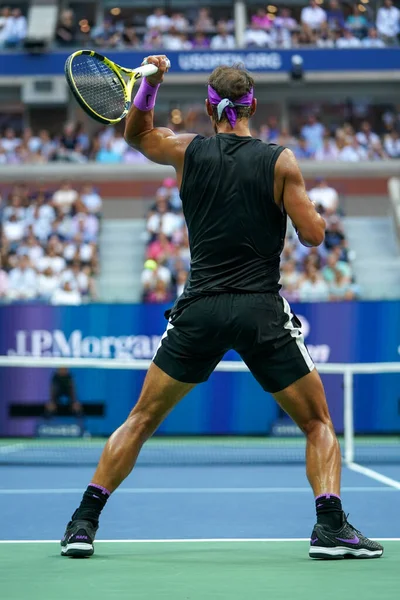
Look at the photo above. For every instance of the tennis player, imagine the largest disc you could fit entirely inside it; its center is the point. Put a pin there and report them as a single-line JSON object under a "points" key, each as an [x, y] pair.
{"points": [[236, 193]]}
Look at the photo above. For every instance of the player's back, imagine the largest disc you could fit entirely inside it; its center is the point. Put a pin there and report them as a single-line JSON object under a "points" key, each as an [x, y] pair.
{"points": [[236, 230]]}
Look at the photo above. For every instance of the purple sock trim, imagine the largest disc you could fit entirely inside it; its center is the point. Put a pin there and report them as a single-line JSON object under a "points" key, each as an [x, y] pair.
{"points": [[327, 496], [145, 98], [100, 487]]}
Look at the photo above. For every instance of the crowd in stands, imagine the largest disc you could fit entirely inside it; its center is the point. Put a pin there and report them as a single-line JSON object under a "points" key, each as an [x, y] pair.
{"points": [[326, 24], [308, 274], [322, 273], [49, 243], [13, 27], [310, 139]]}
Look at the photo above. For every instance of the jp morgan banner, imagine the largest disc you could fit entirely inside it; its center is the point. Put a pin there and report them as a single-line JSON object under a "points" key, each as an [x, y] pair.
{"points": [[258, 61], [229, 403]]}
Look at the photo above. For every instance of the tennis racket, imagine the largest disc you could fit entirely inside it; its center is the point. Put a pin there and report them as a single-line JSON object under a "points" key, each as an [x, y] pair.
{"points": [[101, 87]]}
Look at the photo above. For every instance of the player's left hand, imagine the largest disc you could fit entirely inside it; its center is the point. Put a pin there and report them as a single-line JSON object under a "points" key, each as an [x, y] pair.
{"points": [[162, 62]]}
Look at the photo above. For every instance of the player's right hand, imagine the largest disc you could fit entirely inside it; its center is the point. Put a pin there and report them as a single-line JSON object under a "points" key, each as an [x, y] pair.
{"points": [[162, 62]]}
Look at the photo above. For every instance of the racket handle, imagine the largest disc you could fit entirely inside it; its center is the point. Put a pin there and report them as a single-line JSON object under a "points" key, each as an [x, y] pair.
{"points": [[147, 70]]}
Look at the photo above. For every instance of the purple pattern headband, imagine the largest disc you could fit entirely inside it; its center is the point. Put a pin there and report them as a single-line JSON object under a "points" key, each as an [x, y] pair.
{"points": [[224, 104]]}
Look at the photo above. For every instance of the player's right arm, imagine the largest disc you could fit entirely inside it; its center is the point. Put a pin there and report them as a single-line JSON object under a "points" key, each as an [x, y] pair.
{"points": [[290, 191]]}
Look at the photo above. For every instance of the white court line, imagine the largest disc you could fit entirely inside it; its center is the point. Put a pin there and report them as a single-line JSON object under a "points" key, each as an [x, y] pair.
{"points": [[9, 449], [188, 490], [186, 541], [372, 474]]}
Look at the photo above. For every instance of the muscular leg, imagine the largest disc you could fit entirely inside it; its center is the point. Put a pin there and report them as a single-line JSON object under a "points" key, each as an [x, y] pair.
{"points": [[160, 393], [305, 402]]}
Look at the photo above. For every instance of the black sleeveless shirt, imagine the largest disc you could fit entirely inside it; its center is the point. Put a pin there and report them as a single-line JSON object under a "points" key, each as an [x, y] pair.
{"points": [[236, 230]]}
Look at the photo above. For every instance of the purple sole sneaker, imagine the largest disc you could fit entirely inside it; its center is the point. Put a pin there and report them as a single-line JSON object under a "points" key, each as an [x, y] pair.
{"points": [[78, 539], [346, 542]]}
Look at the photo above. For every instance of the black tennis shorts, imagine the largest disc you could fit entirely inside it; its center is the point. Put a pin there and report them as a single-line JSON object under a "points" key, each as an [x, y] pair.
{"points": [[260, 327]]}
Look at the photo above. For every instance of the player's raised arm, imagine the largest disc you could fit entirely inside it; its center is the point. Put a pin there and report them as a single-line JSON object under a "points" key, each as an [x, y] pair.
{"points": [[158, 144], [308, 222]]}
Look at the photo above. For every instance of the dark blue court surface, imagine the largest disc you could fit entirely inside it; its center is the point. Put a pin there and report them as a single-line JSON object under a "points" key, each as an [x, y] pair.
{"points": [[193, 502]]}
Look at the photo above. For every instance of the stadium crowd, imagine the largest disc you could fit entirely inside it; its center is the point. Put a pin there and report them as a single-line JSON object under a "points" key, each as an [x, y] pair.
{"points": [[310, 139], [326, 24], [323, 24], [49, 243], [315, 274]]}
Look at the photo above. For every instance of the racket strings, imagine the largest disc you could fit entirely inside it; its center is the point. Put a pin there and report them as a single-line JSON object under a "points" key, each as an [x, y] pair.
{"points": [[99, 86]]}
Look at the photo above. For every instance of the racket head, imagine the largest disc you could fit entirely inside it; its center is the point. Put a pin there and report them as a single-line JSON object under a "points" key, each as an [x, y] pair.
{"points": [[98, 86]]}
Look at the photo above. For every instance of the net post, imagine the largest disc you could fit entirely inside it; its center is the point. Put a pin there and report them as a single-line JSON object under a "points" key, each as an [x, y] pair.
{"points": [[348, 415]]}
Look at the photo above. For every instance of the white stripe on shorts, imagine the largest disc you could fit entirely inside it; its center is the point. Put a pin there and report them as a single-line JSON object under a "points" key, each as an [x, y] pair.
{"points": [[164, 335], [296, 333]]}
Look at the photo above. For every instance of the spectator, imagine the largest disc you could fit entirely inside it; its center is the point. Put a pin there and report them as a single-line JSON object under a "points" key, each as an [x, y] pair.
{"points": [[348, 40], [15, 207], [14, 30], [13, 230], [108, 154], [64, 198], [324, 197], [334, 235], [372, 40], [160, 249], [325, 38], [160, 294], [329, 149], [47, 283], [78, 279], [32, 249], [333, 265], [313, 132], [163, 221], [91, 199], [284, 20], [3, 281], [388, 22], [351, 151], [392, 144], [200, 41], [366, 137], [335, 16], [86, 225], [301, 151], [256, 36], [22, 281], [51, 260], [5, 13], [313, 15], [261, 19], [9, 142], [223, 40], [313, 288], [62, 390], [66, 30], [179, 22], [106, 34], [341, 288], [170, 190], [289, 275], [176, 40], [204, 23], [65, 295], [129, 37], [357, 22], [153, 272], [158, 20]]}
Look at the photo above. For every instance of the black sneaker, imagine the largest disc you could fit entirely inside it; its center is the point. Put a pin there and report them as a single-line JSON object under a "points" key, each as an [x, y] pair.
{"points": [[78, 539], [346, 542]]}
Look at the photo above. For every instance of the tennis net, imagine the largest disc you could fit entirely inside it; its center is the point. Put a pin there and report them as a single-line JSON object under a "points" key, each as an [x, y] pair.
{"points": [[217, 450]]}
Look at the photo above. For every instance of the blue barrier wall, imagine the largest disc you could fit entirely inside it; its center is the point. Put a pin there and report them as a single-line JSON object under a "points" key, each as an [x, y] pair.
{"points": [[228, 403], [381, 59]]}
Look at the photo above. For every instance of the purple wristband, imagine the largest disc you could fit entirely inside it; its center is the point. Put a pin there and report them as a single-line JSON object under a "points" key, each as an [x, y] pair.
{"points": [[145, 98]]}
